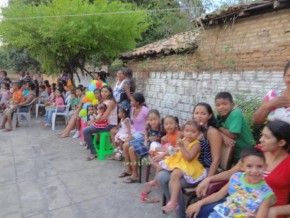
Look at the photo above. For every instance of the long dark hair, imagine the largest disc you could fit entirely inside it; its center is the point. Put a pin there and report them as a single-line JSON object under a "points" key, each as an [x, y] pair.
{"points": [[139, 97], [212, 120], [280, 130], [111, 96]]}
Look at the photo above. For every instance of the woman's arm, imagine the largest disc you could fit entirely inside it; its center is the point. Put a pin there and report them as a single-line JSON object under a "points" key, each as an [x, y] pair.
{"points": [[27, 100], [127, 90], [279, 210], [223, 176], [264, 208], [111, 106], [215, 142]]}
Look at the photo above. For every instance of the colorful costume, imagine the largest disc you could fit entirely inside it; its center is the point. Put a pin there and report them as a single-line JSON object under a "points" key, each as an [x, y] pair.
{"points": [[244, 199], [193, 171]]}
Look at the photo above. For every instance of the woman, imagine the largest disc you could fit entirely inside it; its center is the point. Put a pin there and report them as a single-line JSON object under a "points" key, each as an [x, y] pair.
{"points": [[276, 104], [135, 145], [110, 115], [74, 120], [275, 143], [211, 144], [124, 88]]}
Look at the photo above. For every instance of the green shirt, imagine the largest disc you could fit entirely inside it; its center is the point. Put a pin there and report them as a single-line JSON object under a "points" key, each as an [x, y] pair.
{"points": [[235, 123]]}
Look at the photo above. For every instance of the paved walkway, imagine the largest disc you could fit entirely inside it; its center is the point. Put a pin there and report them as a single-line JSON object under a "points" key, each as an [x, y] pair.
{"points": [[42, 176]]}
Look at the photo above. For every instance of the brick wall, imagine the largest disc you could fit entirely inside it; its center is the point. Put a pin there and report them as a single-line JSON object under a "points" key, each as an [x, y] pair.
{"points": [[244, 57]]}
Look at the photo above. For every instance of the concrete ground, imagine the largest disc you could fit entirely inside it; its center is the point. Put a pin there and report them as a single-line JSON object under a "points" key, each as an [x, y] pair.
{"points": [[43, 176]]}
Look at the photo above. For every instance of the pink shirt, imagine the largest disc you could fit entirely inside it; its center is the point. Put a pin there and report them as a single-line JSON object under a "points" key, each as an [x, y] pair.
{"points": [[59, 101], [139, 122]]}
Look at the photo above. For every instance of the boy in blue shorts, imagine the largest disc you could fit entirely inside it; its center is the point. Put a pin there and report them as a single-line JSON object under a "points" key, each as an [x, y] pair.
{"points": [[232, 125]]}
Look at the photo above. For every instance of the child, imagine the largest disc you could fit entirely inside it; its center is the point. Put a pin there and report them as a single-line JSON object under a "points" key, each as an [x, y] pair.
{"points": [[5, 95], [43, 95], [124, 132], [184, 163], [11, 106], [153, 135], [101, 109], [59, 104], [249, 195], [232, 125]]}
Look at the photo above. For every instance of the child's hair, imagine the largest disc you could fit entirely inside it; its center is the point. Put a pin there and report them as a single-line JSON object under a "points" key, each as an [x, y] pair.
{"points": [[73, 92], [80, 86], [286, 68], [154, 111], [6, 86], [102, 106], [199, 127], [212, 120], [125, 110], [17, 84], [280, 130], [88, 115], [42, 87], [172, 117], [111, 96], [139, 97], [252, 152], [224, 95]]}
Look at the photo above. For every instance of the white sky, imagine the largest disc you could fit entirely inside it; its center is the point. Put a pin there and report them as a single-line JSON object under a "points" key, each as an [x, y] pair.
{"points": [[3, 3]]}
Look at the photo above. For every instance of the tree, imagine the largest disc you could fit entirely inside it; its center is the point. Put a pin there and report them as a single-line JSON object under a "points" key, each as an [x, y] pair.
{"points": [[4, 60], [64, 34]]}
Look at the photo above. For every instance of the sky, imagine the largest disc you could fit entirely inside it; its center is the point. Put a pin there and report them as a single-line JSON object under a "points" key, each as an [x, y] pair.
{"points": [[3, 3]]}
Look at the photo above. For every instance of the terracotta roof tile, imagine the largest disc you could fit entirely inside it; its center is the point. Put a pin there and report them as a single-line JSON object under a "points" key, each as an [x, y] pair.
{"points": [[185, 42]]}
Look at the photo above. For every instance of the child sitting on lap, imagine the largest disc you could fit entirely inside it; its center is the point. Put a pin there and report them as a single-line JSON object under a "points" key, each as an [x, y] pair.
{"points": [[184, 163], [249, 195]]}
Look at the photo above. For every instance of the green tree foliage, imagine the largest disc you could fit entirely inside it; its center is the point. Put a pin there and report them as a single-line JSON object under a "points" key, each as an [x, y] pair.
{"points": [[4, 60], [64, 34]]}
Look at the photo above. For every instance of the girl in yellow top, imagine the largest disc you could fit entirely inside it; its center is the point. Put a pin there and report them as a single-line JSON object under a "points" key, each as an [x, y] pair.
{"points": [[184, 163]]}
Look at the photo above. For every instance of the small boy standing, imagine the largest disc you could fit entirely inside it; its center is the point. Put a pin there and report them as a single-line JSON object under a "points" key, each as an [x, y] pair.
{"points": [[232, 125], [249, 194]]}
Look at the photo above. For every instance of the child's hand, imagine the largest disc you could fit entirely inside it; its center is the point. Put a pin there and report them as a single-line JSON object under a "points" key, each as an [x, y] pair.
{"points": [[180, 143], [158, 157], [146, 143], [153, 138], [193, 209], [164, 140]]}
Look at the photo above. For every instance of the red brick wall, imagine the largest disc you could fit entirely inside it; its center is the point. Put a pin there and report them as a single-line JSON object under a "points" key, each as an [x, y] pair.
{"points": [[259, 42]]}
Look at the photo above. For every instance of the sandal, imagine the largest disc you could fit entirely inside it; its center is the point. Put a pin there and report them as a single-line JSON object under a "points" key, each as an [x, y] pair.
{"points": [[144, 194], [130, 180], [170, 207], [89, 158], [152, 183], [124, 174]]}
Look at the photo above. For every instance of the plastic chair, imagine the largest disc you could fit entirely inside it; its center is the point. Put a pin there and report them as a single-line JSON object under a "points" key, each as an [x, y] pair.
{"points": [[18, 114], [64, 113], [148, 168], [102, 144], [37, 106]]}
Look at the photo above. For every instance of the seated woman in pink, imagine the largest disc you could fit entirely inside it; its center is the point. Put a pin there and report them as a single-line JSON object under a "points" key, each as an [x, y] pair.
{"points": [[134, 145]]}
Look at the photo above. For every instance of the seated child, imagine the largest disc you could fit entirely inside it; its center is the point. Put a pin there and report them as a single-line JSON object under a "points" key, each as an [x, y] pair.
{"points": [[88, 121], [124, 132], [43, 96], [184, 163], [5, 95], [155, 135], [101, 109], [249, 195], [232, 125]]}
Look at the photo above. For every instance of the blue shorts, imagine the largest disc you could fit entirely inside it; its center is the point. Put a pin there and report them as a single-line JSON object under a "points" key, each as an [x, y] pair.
{"points": [[138, 144]]}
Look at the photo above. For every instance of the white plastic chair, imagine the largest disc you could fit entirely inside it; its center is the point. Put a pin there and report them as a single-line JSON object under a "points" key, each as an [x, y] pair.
{"points": [[37, 106], [64, 113], [27, 114]]}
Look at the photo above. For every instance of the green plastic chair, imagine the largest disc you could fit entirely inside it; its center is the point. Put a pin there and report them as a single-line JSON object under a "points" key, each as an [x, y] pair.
{"points": [[103, 145]]}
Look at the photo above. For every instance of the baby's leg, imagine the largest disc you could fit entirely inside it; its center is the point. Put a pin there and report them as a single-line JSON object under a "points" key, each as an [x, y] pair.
{"points": [[175, 177]]}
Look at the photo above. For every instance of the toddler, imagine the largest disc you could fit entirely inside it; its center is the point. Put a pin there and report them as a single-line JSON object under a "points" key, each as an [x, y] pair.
{"points": [[5, 95]]}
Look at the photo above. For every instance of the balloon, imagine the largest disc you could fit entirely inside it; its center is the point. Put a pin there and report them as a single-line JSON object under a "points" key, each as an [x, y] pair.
{"points": [[92, 87], [84, 118], [93, 82], [85, 106], [85, 99], [104, 84], [99, 84], [90, 95], [83, 113], [95, 102]]}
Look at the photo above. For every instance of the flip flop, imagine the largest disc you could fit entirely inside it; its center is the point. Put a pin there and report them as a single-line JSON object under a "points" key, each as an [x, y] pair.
{"points": [[144, 194], [170, 207], [124, 174], [130, 180], [91, 158]]}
